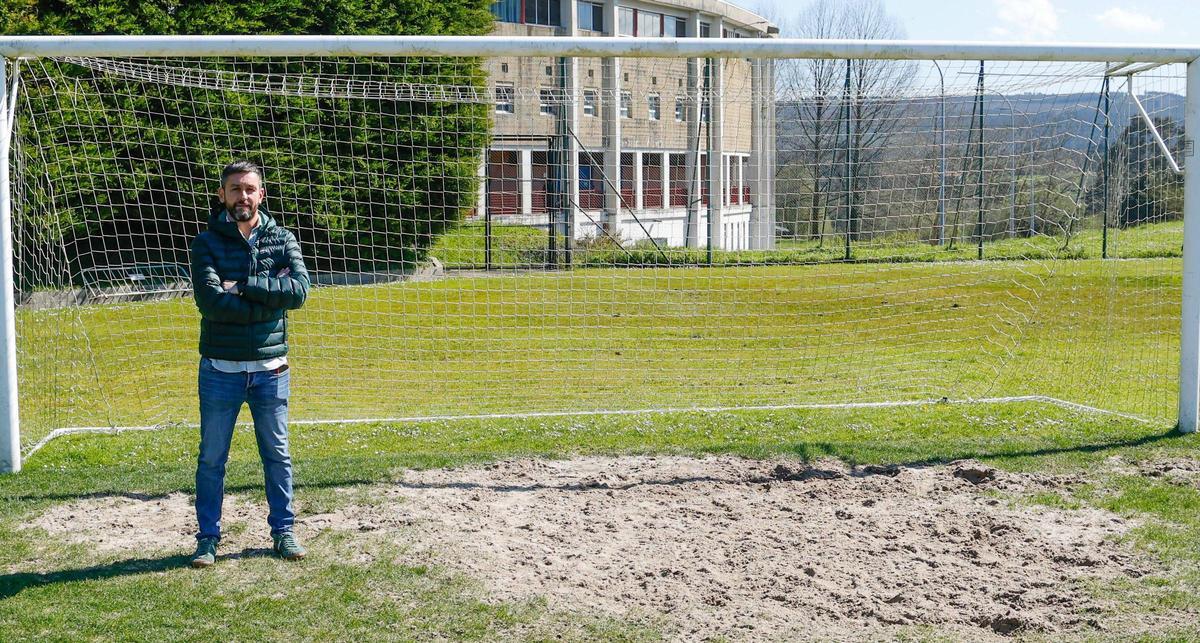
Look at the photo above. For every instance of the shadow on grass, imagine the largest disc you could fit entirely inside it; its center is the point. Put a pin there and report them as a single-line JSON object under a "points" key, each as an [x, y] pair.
{"points": [[951, 453], [13, 584], [188, 489], [249, 552], [330, 472], [862, 460]]}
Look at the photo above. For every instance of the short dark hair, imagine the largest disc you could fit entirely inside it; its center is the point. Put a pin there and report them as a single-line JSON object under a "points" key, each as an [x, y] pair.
{"points": [[241, 167]]}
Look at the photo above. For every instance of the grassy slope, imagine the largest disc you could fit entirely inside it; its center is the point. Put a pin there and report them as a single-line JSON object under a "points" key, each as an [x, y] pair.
{"points": [[524, 247]]}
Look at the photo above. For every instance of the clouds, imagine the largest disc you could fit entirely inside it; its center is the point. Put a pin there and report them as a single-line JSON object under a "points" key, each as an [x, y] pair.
{"points": [[1130, 20], [1026, 19], [1041, 19]]}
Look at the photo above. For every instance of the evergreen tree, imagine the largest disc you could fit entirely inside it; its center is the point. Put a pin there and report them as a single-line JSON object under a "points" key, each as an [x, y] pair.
{"points": [[368, 184]]}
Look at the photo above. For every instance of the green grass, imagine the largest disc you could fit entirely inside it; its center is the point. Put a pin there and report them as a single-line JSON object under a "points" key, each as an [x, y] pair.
{"points": [[51, 590], [1096, 332], [512, 246], [1091, 331], [525, 247], [258, 599]]}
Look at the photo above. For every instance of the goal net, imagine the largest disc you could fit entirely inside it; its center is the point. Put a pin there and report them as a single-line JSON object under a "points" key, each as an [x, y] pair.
{"points": [[521, 234]]}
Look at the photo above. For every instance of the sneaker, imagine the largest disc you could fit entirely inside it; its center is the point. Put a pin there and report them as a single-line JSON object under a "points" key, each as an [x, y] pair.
{"points": [[287, 546], [206, 553]]}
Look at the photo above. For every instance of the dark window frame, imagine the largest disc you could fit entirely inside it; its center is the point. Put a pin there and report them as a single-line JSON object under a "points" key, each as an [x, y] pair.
{"points": [[595, 16], [548, 101], [591, 98], [509, 91]]}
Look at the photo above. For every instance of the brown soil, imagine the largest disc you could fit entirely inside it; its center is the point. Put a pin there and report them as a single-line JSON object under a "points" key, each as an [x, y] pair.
{"points": [[723, 546]]}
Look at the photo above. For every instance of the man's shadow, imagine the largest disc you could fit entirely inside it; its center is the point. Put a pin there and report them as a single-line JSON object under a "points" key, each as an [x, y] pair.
{"points": [[13, 584]]}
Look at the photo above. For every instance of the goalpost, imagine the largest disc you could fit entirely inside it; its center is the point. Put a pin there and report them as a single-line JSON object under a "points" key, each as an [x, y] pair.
{"points": [[577, 225]]}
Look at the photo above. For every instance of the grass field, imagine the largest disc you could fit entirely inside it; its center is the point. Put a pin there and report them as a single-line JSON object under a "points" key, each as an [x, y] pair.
{"points": [[524, 247], [1090, 331], [1096, 332], [51, 590]]}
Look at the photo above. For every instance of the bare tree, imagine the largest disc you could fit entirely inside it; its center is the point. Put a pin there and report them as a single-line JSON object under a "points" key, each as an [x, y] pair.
{"points": [[815, 96], [811, 93]]}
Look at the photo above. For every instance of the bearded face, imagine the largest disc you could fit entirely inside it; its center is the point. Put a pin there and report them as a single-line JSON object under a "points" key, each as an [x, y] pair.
{"points": [[241, 195]]}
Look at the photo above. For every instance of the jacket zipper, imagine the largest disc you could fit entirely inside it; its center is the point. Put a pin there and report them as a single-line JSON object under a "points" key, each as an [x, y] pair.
{"points": [[249, 272]]}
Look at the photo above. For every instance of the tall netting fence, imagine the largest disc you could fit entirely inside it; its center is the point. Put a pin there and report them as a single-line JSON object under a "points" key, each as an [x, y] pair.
{"points": [[522, 234]]}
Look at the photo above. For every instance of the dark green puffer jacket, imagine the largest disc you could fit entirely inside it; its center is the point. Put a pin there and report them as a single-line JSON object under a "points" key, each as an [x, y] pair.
{"points": [[253, 324]]}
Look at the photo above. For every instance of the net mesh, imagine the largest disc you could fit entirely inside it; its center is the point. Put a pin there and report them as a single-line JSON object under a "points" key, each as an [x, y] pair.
{"points": [[517, 235]]}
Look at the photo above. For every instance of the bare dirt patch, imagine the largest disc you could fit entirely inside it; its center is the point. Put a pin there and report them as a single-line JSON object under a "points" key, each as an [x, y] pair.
{"points": [[719, 546], [1179, 471], [137, 524]]}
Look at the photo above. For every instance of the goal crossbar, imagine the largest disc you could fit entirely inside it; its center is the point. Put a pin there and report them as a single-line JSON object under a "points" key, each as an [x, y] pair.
{"points": [[606, 46]]}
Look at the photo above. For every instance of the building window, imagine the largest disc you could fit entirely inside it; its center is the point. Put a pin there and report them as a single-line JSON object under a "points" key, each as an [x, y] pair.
{"points": [[652, 180], [679, 108], [627, 180], [504, 98], [735, 180], [504, 182], [589, 102], [678, 181], [591, 16], [626, 100], [649, 24], [675, 27], [543, 12], [539, 181], [507, 10], [546, 102], [536, 12], [591, 181], [704, 30], [627, 25], [589, 178], [655, 107]]}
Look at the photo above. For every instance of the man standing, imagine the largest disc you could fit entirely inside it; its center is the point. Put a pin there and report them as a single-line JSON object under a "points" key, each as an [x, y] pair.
{"points": [[247, 272]]}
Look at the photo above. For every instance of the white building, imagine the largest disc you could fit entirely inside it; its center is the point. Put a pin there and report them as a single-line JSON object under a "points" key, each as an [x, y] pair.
{"points": [[647, 121]]}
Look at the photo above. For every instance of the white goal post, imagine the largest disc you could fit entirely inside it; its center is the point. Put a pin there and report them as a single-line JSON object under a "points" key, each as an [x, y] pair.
{"points": [[1129, 58]]}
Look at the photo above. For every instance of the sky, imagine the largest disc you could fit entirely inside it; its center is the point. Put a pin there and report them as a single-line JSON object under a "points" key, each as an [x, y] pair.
{"points": [[1146, 22]]}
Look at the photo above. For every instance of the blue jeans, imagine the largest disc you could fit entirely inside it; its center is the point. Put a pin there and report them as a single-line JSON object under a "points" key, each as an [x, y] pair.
{"points": [[221, 398]]}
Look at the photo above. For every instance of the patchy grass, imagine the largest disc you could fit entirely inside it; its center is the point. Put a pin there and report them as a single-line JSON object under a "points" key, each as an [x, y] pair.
{"points": [[334, 594], [51, 588]]}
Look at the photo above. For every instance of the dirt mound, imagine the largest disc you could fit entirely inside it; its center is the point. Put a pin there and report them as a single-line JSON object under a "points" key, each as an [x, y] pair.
{"points": [[1181, 471], [720, 546]]}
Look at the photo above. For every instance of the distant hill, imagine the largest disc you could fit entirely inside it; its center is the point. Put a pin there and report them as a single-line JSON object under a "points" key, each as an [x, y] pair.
{"points": [[1067, 118]]}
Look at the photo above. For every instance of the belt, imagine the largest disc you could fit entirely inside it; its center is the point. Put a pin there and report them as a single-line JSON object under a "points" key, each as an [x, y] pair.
{"points": [[279, 371]]}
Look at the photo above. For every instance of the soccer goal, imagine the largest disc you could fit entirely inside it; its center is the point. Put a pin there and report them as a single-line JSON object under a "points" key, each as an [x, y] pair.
{"points": [[572, 225]]}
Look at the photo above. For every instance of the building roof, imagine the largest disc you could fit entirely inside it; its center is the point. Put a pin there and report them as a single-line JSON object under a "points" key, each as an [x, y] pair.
{"points": [[741, 16]]}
